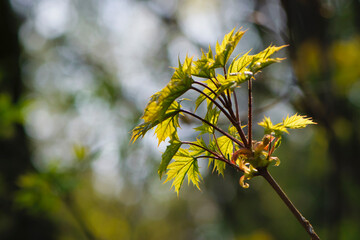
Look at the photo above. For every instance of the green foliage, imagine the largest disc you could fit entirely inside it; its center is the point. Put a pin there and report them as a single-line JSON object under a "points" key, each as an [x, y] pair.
{"points": [[294, 122], [185, 163], [231, 147], [224, 51], [171, 113], [169, 153], [212, 116], [203, 67], [160, 102], [225, 146], [167, 128]]}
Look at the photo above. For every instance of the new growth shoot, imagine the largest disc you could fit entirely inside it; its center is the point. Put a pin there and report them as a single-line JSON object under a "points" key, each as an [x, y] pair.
{"points": [[233, 146]]}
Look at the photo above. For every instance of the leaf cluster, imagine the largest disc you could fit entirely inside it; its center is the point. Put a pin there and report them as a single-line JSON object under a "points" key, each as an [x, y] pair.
{"points": [[222, 147]]}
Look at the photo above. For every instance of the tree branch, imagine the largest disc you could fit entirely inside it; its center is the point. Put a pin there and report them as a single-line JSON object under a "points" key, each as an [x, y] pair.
{"points": [[305, 223], [250, 114]]}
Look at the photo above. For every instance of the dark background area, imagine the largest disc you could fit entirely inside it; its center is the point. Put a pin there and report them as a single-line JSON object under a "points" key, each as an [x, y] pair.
{"points": [[76, 75]]}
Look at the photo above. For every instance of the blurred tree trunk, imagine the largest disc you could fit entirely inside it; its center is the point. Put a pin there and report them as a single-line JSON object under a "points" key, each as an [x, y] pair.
{"points": [[306, 22], [14, 151]]}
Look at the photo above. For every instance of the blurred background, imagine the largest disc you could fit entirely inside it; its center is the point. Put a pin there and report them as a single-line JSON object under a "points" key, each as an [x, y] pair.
{"points": [[75, 76]]}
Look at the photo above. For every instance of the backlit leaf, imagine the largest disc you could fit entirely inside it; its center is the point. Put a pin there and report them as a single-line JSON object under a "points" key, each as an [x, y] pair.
{"points": [[203, 67], [159, 103], [294, 122], [142, 129], [202, 97], [225, 146], [224, 51], [169, 153], [263, 59], [212, 117], [199, 148], [168, 127], [297, 121], [184, 164], [239, 68]]}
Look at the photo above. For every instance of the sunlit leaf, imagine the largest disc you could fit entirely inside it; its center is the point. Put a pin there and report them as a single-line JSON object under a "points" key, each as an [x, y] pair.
{"points": [[224, 51], [199, 148], [270, 128], [225, 146], [294, 122], [169, 153], [263, 59], [142, 129], [184, 164], [168, 127], [159, 103], [266, 123], [239, 68], [297, 121], [211, 84], [212, 117], [203, 67], [218, 86]]}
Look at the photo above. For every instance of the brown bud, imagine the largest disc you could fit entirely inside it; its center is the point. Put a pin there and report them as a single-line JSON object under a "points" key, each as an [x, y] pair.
{"points": [[244, 151]]}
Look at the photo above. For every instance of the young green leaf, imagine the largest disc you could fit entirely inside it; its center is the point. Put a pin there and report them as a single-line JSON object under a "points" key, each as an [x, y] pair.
{"points": [[270, 128], [184, 164], [219, 166], [226, 48], [222, 84], [212, 117], [238, 68], [294, 122], [169, 153], [159, 103], [262, 59], [203, 67], [225, 147], [168, 127], [142, 129], [198, 147], [210, 84], [297, 121]]}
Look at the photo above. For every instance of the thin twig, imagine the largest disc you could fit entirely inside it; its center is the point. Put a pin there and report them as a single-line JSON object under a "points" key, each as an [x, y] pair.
{"points": [[236, 108], [305, 223], [250, 115], [216, 155], [217, 145], [199, 146], [227, 91], [215, 127], [231, 117], [213, 100], [214, 81], [212, 91]]}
